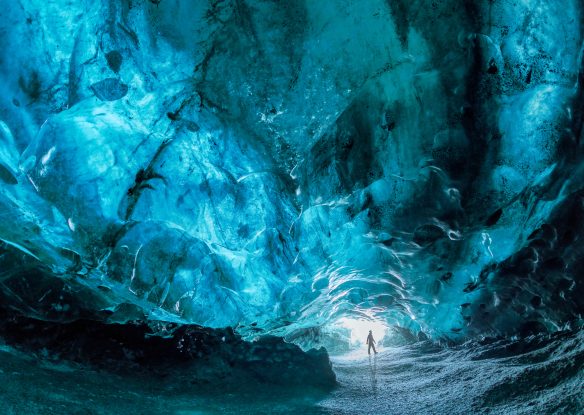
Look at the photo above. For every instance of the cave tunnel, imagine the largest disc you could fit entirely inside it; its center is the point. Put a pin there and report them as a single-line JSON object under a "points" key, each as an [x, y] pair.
{"points": [[207, 205]]}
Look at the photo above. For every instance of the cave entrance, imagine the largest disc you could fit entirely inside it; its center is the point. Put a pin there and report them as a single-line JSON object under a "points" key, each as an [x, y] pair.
{"points": [[357, 329]]}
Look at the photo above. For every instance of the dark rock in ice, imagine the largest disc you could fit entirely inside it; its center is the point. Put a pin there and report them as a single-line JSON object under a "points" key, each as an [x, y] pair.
{"points": [[114, 60], [109, 89], [494, 218]]}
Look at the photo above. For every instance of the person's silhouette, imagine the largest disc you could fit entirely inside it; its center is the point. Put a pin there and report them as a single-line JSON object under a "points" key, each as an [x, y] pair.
{"points": [[371, 343]]}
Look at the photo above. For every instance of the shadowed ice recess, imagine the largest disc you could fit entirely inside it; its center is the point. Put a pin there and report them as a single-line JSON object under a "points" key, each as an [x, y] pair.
{"points": [[307, 170]]}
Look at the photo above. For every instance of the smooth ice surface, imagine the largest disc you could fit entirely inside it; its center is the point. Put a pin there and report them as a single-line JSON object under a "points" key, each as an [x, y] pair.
{"points": [[279, 167]]}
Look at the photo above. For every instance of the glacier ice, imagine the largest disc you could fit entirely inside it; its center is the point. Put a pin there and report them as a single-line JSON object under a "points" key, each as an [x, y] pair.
{"points": [[278, 168]]}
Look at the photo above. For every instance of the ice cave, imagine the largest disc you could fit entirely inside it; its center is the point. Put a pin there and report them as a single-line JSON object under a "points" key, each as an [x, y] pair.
{"points": [[207, 205]]}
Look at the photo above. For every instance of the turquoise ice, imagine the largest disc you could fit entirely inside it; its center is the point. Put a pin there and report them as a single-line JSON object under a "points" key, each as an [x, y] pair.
{"points": [[303, 167]]}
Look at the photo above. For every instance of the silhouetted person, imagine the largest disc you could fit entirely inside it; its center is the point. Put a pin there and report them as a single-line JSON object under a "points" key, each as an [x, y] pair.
{"points": [[371, 343]]}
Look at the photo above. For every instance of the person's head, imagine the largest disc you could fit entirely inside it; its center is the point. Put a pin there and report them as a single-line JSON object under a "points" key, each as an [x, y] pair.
{"points": [[370, 332]]}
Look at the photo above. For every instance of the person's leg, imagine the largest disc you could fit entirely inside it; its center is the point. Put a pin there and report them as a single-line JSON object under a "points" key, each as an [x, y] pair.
{"points": [[374, 351], [369, 349]]}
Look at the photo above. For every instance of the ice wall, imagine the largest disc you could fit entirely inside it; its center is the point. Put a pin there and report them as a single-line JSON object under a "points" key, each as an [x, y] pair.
{"points": [[276, 167]]}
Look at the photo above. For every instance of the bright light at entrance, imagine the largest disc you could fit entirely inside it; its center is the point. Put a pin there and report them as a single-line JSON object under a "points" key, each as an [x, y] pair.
{"points": [[360, 329]]}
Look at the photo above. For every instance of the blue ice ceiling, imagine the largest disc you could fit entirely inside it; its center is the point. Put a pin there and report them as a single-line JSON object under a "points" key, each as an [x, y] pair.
{"points": [[281, 166]]}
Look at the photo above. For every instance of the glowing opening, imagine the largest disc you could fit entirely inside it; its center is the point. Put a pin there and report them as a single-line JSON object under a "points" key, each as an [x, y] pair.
{"points": [[359, 330]]}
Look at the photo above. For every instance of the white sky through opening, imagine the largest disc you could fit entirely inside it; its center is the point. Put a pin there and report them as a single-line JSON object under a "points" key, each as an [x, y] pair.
{"points": [[359, 330]]}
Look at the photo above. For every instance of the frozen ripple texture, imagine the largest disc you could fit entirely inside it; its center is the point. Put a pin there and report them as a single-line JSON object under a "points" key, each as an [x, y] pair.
{"points": [[278, 167]]}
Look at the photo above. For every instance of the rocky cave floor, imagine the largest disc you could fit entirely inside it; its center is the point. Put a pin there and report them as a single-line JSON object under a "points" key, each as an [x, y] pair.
{"points": [[539, 375]]}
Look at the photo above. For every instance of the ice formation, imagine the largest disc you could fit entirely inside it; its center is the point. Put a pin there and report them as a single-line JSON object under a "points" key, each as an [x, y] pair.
{"points": [[278, 167]]}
